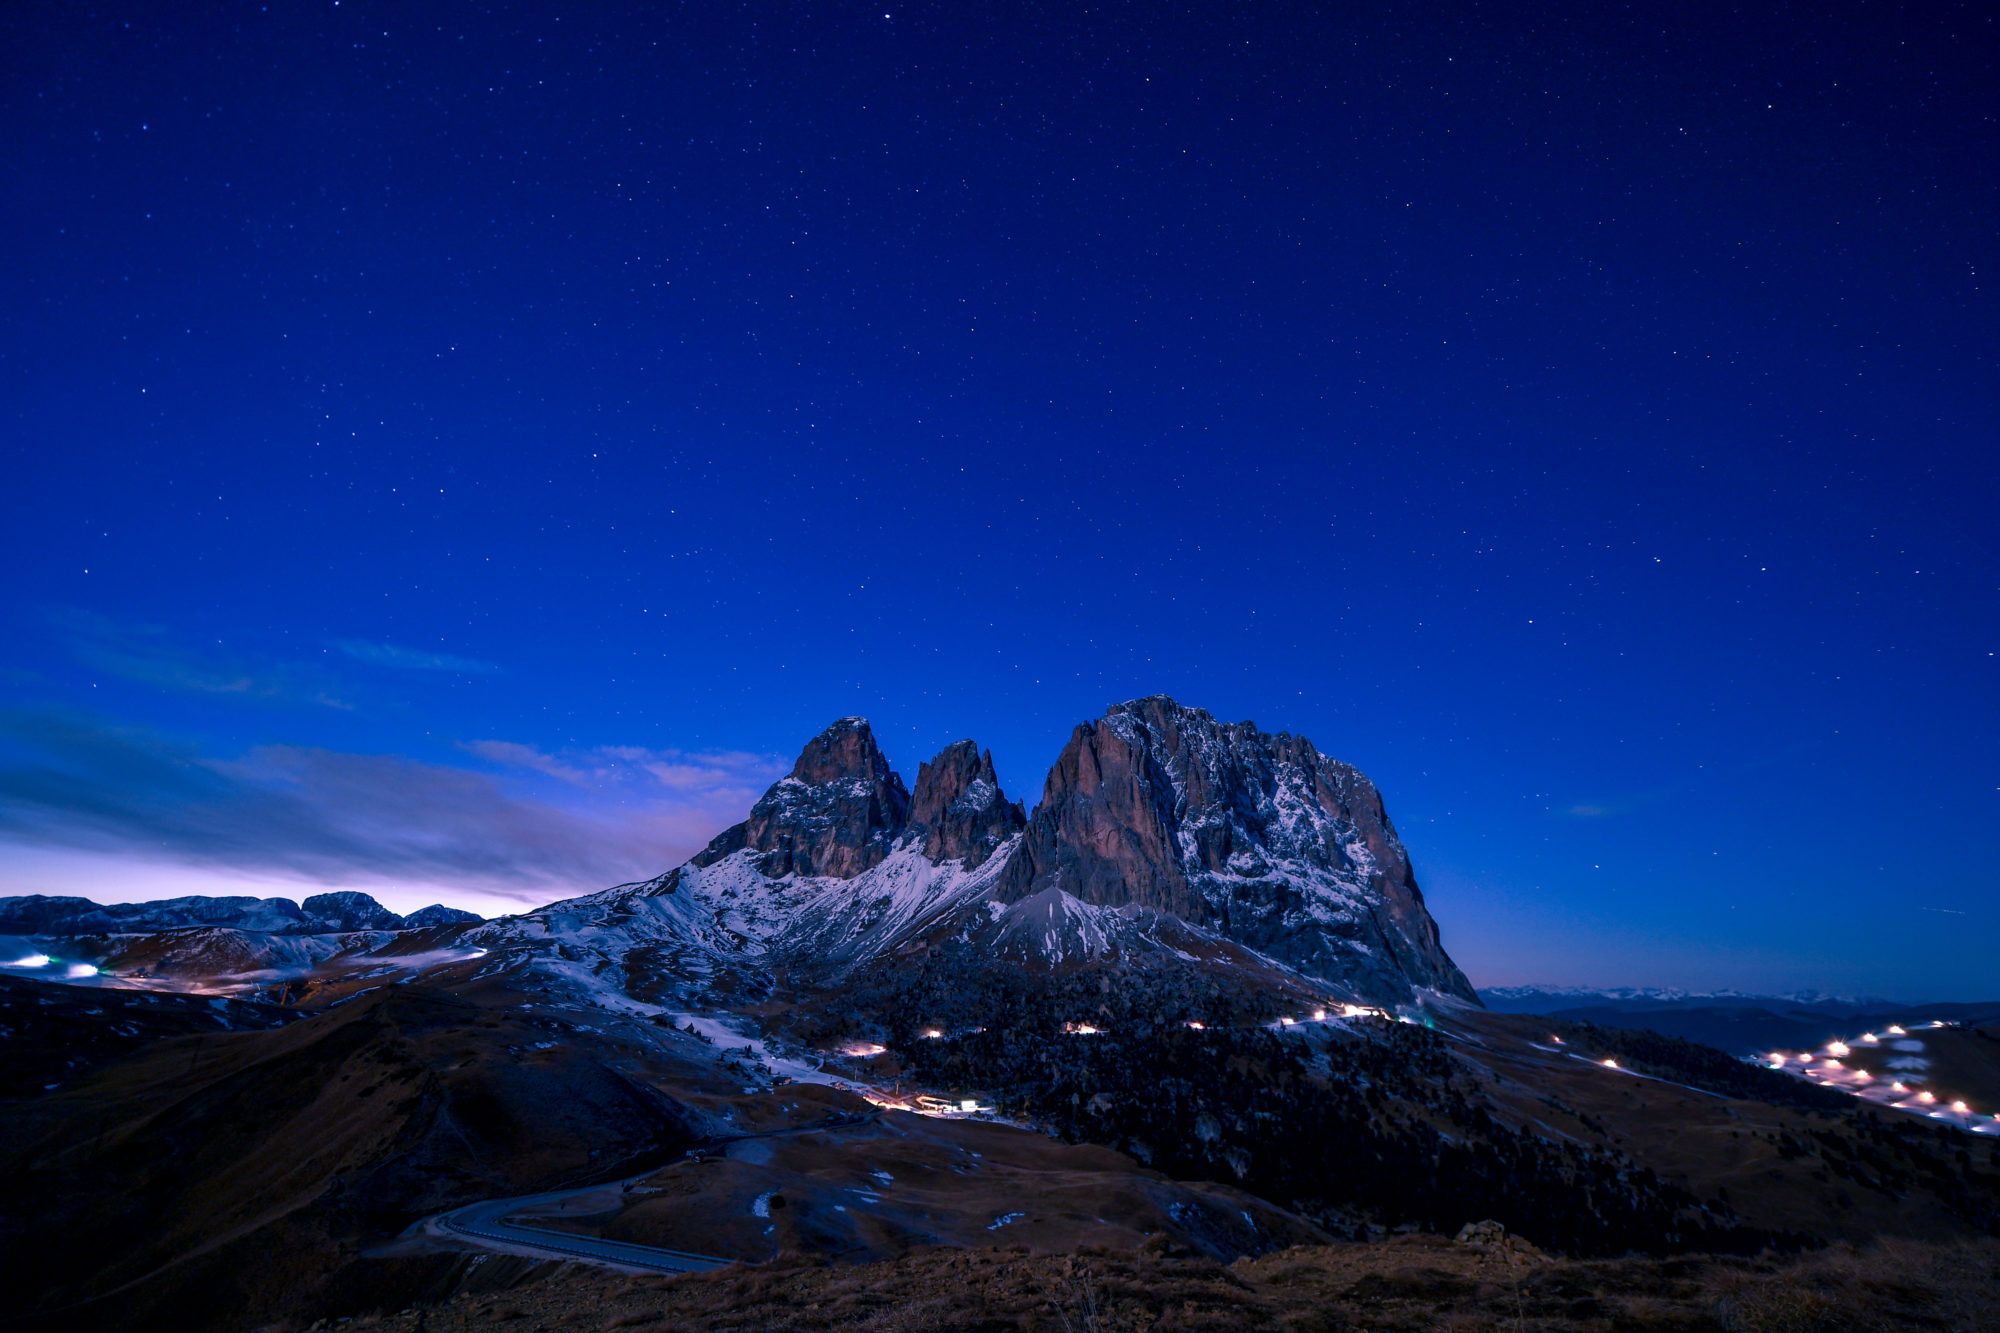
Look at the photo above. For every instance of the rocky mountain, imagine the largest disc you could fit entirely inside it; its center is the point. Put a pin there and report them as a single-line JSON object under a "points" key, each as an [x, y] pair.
{"points": [[837, 864], [1256, 837], [36, 914], [323, 913], [1161, 833], [959, 808], [834, 815]]}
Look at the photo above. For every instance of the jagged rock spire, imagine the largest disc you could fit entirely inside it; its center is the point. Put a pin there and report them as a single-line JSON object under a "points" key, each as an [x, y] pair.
{"points": [[837, 814], [959, 809]]}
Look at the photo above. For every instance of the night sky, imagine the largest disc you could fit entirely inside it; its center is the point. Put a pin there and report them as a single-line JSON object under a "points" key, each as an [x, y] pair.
{"points": [[464, 451]]}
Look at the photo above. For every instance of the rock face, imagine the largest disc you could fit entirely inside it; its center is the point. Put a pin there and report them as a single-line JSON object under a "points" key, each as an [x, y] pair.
{"points": [[959, 809], [837, 813], [842, 810], [333, 912], [1257, 837], [437, 914], [1160, 831]]}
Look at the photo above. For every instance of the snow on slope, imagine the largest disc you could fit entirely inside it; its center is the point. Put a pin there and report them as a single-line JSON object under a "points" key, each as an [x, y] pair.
{"points": [[696, 926]]}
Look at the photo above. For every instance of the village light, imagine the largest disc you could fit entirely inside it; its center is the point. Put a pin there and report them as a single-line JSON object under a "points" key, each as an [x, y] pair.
{"points": [[1611, 1064], [932, 1033], [1961, 1108], [1836, 1048], [1926, 1098], [1196, 1024]]}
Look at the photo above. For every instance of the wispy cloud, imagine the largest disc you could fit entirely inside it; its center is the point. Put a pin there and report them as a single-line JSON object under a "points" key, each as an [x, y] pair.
{"points": [[151, 655], [733, 776], [412, 659], [336, 817]]}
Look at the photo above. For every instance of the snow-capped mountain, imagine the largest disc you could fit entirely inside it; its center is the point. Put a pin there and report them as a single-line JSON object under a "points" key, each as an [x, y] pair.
{"points": [[1161, 831], [1254, 837], [322, 913], [1162, 834]]}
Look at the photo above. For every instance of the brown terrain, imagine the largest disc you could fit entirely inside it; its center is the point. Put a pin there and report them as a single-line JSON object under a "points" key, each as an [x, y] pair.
{"points": [[272, 1177], [1486, 1283], [206, 1178], [1790, 1170]]}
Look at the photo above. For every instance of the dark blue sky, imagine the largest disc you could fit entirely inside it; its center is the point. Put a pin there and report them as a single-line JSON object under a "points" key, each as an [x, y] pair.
{"points": [[464, 451]]}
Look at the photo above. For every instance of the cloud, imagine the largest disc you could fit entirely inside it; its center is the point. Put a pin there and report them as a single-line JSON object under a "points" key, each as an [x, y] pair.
{"points": [[512, 754], [412, 659], [148, 654], [733, 774], [329, 816]]}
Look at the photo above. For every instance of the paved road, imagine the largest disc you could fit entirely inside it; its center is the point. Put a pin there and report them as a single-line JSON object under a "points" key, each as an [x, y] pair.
{"points": [[487, 1221]]}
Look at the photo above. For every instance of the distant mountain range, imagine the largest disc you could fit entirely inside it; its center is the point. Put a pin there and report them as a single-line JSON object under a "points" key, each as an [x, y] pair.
{"points": [[1537, 999], [1732, 1021], [323, 913]]}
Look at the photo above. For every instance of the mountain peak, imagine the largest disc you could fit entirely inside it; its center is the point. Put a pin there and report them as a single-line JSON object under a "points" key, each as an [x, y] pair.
{"points": [[845, 750], [1258, 836], [837, 813], [959, 807]]}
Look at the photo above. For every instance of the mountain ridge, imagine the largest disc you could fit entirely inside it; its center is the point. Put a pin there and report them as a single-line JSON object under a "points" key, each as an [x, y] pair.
{"points": [[1243, 838]]}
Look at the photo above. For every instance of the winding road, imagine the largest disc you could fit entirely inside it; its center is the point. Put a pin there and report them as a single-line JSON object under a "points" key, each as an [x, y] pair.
{"points": [[485, 1223]]}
